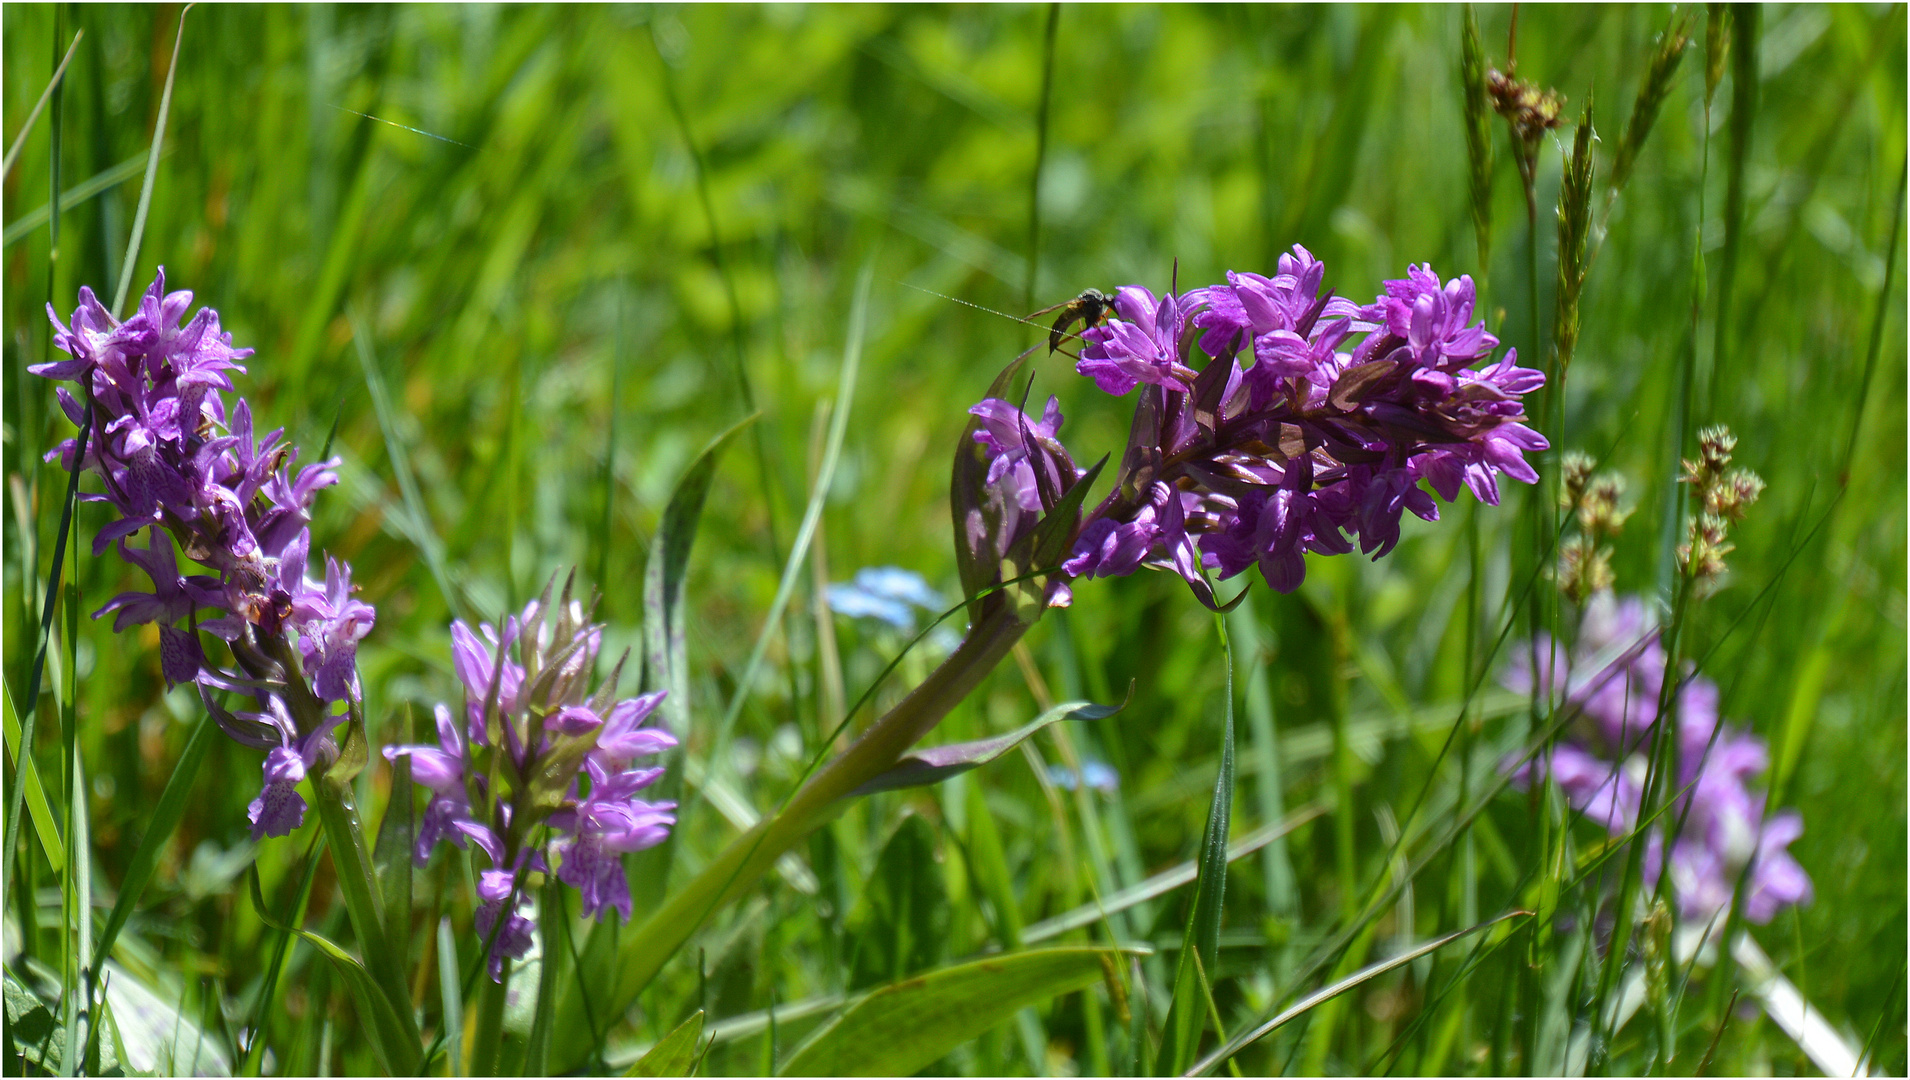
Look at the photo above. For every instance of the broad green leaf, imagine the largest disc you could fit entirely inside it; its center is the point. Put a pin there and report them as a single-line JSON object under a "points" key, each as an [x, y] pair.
{"points": [[936, 764], [393, 1032], [1187, 1015], [676, 1054], [31, 1027], [990, 866], [902, 1027]]}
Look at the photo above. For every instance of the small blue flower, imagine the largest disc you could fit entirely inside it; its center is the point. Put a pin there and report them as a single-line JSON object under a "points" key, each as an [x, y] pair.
{"points": [[1097, 775], [888, 593]]}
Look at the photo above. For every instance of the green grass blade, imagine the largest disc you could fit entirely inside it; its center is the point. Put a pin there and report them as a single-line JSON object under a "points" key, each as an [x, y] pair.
{"points": [[417, 521], [902, 1027], [825, 475], [365, 905], [20, 140], [36, 804], [392, 1033], [128, 267], [1166, 881], [451, 1027], [268, 987], [675, 1054], [160, 823], [38, 671], [77, 194], [1319, 997], [667, 664], [610, 447], [1187, 1014], [553, 923], [77, 882]]}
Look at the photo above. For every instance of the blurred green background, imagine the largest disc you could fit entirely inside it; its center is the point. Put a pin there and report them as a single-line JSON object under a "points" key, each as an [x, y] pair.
{"points": [[628, 226]]}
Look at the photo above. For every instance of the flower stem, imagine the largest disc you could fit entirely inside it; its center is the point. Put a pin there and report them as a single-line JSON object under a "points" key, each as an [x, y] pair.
{"points": [[747, 858]]}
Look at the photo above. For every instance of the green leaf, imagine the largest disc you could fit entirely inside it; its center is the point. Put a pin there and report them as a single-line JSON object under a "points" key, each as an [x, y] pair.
{"points": [[902, 1027], [902, 921], [383, 970], [676, 1054], [393, 1033], [1186, 1016], [1328, 993], [937, 764], [666, 668], [31, 1027], [391, 855], [1049, 541], [268, 986], [554, 923], [37, 806]]}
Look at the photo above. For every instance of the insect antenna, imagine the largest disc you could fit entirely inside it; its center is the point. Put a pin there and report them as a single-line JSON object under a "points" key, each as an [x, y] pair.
{"points": [[1026, 320]]}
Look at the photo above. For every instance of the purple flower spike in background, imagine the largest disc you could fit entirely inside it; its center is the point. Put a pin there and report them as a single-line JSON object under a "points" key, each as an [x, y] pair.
{"points": [[1612, 678], [1294, 421], [174, 462], [539, 770]]}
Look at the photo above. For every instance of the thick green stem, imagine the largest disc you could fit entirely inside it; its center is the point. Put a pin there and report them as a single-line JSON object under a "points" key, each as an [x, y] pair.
{"points": [[736, 870]]}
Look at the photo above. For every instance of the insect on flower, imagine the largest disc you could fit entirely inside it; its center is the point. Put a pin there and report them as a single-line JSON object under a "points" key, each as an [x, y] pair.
{"points": [[1088, 309]]}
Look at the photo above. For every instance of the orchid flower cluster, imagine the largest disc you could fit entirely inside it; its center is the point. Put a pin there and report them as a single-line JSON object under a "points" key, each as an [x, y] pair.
{"points": [[175, 463], [1613, 677], [537, 769], [1274, 419]]}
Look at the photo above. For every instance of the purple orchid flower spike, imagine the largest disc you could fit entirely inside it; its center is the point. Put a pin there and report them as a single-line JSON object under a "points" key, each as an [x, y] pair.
{"points": [[566, 792], [1309, 424], [162, 451], [1611, 677]]}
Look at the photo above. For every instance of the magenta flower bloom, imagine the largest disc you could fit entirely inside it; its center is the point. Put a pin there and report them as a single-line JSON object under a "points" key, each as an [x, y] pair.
{"points": [[1145, 348], [174, 461], [1308, 422]]}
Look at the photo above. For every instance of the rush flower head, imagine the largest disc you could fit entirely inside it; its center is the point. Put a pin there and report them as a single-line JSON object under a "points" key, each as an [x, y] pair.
{"points": [[538, 769], [1612, 676], [1276, 419], [176, 463], [1723, 495]]}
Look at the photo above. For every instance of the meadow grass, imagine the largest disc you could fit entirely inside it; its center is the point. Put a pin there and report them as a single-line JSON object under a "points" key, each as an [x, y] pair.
{"points": [[578, 243]]}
